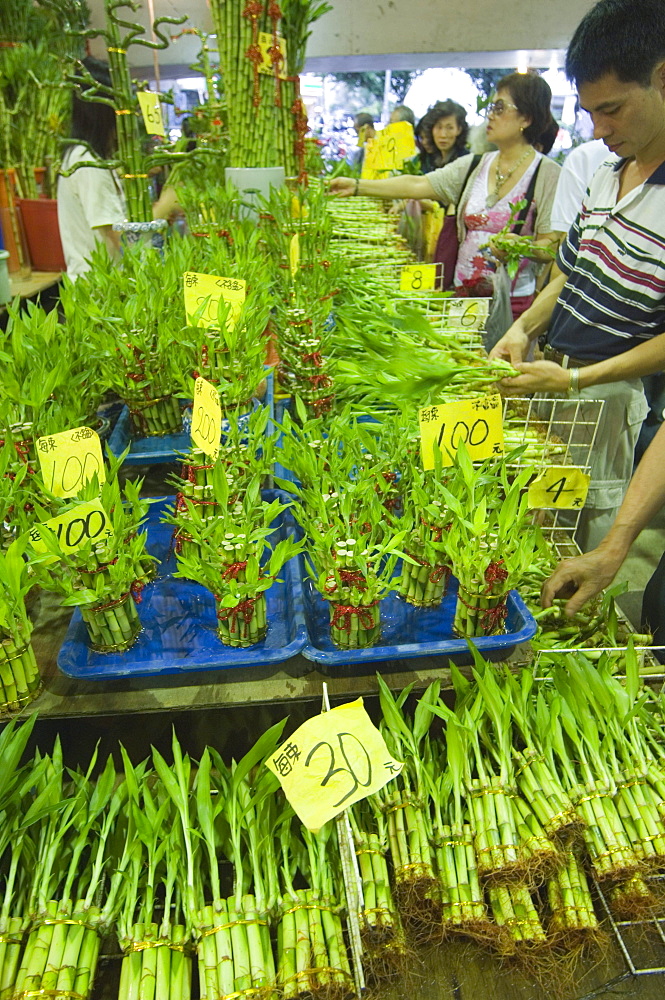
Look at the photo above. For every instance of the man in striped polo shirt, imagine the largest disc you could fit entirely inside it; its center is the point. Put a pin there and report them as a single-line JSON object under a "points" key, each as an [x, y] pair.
{"points": [[602, 317]]}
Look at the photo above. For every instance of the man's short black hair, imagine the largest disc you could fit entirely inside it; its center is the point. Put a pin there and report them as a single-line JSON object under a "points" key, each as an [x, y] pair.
{"points": [[624, 37]]}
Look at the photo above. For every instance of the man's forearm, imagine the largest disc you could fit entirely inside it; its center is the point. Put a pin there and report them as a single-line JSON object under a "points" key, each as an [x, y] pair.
{"points": [[405, 186], [645, 359], [536, 319], [644, 498]]}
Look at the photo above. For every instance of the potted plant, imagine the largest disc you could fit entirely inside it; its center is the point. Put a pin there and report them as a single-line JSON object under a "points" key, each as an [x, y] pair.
{"points": [[19, 674]]}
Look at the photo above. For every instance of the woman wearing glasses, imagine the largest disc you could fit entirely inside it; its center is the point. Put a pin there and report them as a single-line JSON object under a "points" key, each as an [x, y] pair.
{"points": [[484, 191]]}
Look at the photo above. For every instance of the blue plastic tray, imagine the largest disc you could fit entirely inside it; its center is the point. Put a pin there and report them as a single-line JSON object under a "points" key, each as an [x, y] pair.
{"points": [[170, 447], [408, 632], [179, 624]]}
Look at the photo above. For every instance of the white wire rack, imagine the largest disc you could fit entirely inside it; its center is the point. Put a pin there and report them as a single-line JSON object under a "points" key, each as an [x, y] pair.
{"points": [[556, 431], [641, 942]]}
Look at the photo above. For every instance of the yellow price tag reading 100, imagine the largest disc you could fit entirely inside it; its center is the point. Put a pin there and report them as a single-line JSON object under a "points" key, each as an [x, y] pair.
{"points": [[332, 761], [417, 278], [85, 522], [206, 418], [476, 422], [207, 290], [70, 459], [560, 487], [152, 112]]}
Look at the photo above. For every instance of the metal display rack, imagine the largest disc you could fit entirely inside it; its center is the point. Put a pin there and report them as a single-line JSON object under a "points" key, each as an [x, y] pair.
{"points": [[637, 938]]}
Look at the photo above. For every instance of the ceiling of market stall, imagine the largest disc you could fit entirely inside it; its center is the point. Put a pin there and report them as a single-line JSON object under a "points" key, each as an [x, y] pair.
{"points": [[397, 34]]}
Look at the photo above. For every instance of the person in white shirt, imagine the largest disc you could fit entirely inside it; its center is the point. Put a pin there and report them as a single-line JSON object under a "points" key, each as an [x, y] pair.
{"points": [[578, 168]]}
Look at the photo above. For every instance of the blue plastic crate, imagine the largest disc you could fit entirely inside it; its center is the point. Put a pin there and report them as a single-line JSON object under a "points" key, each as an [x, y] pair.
{"points": [[170, 447], [179, 623], [407, 631]]}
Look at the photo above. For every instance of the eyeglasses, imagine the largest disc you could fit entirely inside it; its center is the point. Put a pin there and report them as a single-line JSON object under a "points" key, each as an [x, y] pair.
{"points": [[498, 108]]}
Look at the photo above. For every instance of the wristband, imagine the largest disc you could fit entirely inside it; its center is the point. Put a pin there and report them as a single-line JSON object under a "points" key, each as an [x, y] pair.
{"points": [[355, 190], [574, 384]]}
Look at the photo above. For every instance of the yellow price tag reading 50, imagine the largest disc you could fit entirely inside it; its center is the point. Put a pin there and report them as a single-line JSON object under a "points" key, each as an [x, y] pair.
{"points": [[86, 522], [417, 278], [207, 290], [332, 761], [206, 418], [70, 459], [152, 112], [560, 487], [476, 422]]}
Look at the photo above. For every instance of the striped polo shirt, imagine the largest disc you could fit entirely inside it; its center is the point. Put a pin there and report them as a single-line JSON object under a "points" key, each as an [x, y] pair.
{"points": [[614, 256]]}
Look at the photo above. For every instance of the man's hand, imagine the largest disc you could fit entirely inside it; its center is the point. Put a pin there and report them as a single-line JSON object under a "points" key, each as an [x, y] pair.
{"points": [[580, 579], [513, 346], [537, 376], [342, 186]]}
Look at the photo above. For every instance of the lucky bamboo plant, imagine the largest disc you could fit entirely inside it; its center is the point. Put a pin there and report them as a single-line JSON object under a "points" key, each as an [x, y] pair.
{"points": [[19, 673]]}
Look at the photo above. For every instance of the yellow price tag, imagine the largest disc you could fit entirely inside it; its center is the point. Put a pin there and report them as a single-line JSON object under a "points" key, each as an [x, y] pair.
{"points": [[206, 418], [86, 522], [70, 459], [417, 278], [389, 149], [476, 422], [562, 487], [294, 254], [266, 65], [151, 110], [332, 761], [298, 208], [213, 288], [466, 314]]}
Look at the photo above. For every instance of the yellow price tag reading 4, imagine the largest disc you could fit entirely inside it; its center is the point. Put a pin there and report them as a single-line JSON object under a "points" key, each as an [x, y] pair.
{"points": [[206, 418], [476, 422], [152, 112], [70, 459], [417, 278], [207, 290], [86, 522], [332, 761], [562, 487]]}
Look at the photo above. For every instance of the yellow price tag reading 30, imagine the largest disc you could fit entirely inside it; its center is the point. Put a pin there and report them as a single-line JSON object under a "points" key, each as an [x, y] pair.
{"points": [[86, 522], [332, 761], [476, 422], [417, 278], [206, 418], [560, 487], [208, 290], [152, 112], [70, 459]]}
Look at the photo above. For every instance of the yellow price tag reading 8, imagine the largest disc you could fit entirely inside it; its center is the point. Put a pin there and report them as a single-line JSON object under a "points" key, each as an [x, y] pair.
{"points": [[266, 65], [86, 522], [152, 112], [206, 418], [294, 254], [417, 278], [332, 761], [476, 422], [70, 459], [562, 487], [207, 290]]}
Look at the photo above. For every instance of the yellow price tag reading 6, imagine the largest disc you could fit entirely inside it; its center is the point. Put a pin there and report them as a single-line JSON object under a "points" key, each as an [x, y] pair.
{"points": [[206, 418], [332, 761], [70, 459], [294, 254], [266, 65], [476, 422], [86, 522], [417, 278], [152, 112], [468, 314], [560, 487], [209, 289]]}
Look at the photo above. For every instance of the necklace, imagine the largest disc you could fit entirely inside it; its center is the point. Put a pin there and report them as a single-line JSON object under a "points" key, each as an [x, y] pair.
{"points": [[502, 178]]}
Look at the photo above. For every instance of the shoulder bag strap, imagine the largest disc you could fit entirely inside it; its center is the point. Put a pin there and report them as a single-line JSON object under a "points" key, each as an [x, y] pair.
{"points": [[521, 218]]}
